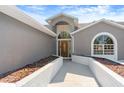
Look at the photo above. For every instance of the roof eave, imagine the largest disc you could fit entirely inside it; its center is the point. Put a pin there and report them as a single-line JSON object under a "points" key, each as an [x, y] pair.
{"points": [[101, 20], [17, 14]]}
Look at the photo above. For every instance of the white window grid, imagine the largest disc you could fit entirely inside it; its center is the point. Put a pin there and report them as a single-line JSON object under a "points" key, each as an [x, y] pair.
{"points": [[103, 49]]}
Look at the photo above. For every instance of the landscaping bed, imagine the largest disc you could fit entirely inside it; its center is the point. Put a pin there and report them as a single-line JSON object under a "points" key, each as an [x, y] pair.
{"points": [[18, 74], [116, 67]]}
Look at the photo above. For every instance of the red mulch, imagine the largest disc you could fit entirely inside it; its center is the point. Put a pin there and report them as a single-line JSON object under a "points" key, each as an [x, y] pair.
{"points": [[116, 67], [18, 74]]}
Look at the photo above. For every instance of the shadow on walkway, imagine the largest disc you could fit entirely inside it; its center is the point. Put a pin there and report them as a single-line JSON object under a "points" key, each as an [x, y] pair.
{"points": [[74, 73]]}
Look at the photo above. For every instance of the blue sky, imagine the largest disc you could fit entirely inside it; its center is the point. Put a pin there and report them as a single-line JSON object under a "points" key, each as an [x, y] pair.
{"points": [[85, 13]]}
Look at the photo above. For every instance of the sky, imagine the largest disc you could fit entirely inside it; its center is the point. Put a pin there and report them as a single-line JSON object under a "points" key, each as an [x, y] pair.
{"points": [[85, 13]]}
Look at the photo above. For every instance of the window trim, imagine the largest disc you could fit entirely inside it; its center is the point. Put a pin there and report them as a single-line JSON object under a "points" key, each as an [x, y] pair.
{"points": [[115, 55]]}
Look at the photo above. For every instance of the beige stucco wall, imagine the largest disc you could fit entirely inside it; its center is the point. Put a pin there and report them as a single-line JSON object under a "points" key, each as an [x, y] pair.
{"points": [[61, 28], [70, 21], [82, 39], [21, 44]]}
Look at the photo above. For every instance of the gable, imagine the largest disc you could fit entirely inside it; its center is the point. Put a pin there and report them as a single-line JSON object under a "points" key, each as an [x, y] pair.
{"points": [[61, 15], [110, 23], [103, 27], [65, 19]]}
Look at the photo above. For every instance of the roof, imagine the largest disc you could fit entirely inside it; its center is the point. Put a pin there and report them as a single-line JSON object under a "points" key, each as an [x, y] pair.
{"points": [[80, 25], [61, 14], [96, 22], [122, 23], [19, 15]]}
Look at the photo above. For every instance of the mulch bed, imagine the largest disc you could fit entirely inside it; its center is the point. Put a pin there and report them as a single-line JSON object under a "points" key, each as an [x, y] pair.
{"points": [[116, 67], [18, 74]]}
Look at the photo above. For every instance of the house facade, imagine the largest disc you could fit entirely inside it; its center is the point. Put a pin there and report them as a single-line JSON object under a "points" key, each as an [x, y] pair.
{"points": [[23, 40], [102, 38]]}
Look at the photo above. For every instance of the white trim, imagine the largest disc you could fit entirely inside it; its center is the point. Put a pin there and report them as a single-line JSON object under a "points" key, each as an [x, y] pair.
{"points": [[60, 50], [64, 39], [72, 43], [115, 46], [96, 22], [57, 45], [19, 15], [66, 57]]}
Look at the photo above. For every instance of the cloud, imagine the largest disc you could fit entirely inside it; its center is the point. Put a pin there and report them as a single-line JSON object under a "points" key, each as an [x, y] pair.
{"points": [[84, 13], [37, 7], [91, 13], [92, 10], [64, 7], [37, 17], [101, 9]]}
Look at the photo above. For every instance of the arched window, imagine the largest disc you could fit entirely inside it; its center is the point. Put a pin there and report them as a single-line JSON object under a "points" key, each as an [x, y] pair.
{"points": [[62, 26], [64, 35], [103, 45]]}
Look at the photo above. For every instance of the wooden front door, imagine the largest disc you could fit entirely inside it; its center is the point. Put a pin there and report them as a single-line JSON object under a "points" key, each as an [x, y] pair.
{"points": [[63, 48]]}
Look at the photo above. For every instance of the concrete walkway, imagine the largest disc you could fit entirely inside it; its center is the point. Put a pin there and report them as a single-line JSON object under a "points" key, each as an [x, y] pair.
{"points": [[74, 75]]}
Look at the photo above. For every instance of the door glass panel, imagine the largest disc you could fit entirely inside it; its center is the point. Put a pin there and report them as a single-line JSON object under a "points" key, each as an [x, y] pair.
{"points": [[64, 48]]}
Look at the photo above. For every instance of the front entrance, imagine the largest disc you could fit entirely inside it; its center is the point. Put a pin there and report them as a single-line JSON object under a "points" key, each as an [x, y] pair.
{"points": [[64, 45], [64, 48]]}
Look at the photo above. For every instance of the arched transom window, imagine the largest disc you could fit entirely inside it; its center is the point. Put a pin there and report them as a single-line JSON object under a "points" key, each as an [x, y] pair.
{"points": [[64, 35], [62, 26], [103, 45]]}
